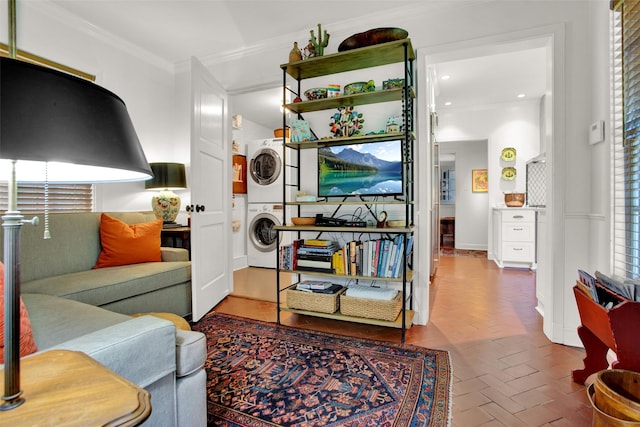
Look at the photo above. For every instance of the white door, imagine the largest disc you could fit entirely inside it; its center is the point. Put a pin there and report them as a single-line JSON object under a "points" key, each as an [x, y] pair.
{"points": [[210, 192]]}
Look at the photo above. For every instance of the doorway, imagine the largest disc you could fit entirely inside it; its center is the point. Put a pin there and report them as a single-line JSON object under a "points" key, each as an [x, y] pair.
{"points": [[548, 42]]}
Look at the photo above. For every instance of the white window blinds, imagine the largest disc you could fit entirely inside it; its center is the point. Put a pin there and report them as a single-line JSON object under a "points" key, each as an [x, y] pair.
{"points": [[62, 197], [626, 134]]}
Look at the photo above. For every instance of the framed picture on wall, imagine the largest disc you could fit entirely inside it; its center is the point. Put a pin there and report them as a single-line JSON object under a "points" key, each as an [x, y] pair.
{"points": [[479, 181]]}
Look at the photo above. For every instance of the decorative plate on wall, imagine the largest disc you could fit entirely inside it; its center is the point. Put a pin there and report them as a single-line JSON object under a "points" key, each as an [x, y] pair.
{"points": [[508, 154], [509, 174]]}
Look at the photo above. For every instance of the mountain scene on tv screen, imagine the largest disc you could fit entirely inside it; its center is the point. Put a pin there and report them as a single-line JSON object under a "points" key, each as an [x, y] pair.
{"points": [[346, 171]]}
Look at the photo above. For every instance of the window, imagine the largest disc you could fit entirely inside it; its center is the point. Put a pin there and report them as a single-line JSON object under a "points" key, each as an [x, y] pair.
{"points": [[626, 136], [62, 197]]}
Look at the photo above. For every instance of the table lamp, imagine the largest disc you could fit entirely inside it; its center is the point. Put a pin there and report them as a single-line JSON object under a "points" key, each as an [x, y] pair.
{"points": [[166, 176], [81, 131]]}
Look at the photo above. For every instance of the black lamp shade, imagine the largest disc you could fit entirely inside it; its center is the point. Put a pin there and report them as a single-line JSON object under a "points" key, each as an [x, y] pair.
{"points": [[167, 176], [50, 116]]}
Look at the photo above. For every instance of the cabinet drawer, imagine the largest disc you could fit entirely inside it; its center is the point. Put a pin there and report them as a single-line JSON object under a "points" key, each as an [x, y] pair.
{"points": [[513, 251], [518, 232], [518, 216]]}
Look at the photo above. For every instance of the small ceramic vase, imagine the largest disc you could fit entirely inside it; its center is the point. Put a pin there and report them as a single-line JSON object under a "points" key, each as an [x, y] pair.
{"points": [[295, 54]]}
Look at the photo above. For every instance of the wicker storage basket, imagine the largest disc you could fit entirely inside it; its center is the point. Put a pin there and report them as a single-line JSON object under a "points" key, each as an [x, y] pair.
{"points": [[313, 301], [371, 308]]}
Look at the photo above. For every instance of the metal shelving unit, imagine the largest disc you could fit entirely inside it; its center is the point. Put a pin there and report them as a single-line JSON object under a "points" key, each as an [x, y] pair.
{"points": [[399, 51]]}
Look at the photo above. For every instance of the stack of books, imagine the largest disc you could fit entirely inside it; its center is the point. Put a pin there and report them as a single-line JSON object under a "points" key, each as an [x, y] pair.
{"points": [[309, 255], [316, 255]]}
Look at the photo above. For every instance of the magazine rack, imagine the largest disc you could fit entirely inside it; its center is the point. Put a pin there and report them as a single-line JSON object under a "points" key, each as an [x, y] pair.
{"points": [[603, 329]]}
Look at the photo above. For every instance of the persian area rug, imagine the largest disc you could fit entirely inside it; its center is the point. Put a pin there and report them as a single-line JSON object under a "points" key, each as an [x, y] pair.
{"points": [[262, 374]]}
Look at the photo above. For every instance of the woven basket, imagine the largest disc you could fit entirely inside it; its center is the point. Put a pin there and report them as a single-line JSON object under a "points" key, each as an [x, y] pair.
{"points": [[371, 308], [313, 301]]}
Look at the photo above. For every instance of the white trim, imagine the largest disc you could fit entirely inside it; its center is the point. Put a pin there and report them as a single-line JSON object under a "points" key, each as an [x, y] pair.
{"points": [[82, 26]]}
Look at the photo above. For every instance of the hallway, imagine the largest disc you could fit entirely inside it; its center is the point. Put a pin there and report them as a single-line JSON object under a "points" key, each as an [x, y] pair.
{"points": [[506, 372]]}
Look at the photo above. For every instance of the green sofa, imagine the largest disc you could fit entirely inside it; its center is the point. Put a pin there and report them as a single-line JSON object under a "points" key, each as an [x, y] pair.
{"points": [[62, 266], [71, 306]]}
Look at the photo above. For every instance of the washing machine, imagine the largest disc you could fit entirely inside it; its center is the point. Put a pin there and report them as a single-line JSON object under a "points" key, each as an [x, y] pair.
{"points": [[266, 168], [261, 245]]}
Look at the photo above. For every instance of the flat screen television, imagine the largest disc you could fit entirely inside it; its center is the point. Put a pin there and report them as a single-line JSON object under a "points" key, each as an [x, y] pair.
{"points": [[373, 169]]}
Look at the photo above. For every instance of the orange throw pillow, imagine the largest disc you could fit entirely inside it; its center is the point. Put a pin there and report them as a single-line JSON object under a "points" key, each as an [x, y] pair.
{"points": [[27, 344], [124, 244]]}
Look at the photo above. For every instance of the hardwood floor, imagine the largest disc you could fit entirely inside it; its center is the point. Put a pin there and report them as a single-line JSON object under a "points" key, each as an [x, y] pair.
{"points": [[506, 372]]}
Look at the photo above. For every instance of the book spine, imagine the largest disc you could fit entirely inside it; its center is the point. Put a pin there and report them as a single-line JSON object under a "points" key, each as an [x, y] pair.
{"points": [[294, 254], [312, 263], [327, 258], [384, 253], [352, 258], [359, 257], [399, 264], [391, 259], [338, 263], [318, 242], [315, 269], [376, 258]]}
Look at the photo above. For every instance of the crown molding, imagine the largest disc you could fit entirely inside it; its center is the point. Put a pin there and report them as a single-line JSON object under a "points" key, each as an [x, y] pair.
{"points": [[339, 30], [50, 9]]}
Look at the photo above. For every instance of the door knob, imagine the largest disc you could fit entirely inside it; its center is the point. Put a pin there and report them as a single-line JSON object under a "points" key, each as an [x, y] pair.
{"points": [[199, 208]]}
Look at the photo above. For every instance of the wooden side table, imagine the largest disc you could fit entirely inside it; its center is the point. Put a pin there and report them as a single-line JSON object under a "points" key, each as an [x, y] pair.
{"points": [[179, 237], [69, 388]]}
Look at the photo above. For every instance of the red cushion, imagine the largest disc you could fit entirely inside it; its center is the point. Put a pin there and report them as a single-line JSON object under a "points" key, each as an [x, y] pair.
{"points": [[27, 344], [124, 244]]}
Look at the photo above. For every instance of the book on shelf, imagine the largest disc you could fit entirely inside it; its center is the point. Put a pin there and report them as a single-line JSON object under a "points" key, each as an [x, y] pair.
{"points": [[318, 242], [409, 245], [338, 262], [399, 262], [314, 269], [382, 259], [314, 263], [314, 257], [314, 284], [353, 258], [376, 258]]}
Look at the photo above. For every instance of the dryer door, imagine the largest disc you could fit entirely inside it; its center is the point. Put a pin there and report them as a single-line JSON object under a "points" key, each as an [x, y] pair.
{"points": [[265, 166], [261, 233]]}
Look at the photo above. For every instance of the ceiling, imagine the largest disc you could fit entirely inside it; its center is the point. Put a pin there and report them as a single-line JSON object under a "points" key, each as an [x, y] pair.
{"points": [[174, 30]]}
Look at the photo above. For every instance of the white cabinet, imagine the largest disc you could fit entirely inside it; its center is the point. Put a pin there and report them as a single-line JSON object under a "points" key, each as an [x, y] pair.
{"points": [[515, 237]]}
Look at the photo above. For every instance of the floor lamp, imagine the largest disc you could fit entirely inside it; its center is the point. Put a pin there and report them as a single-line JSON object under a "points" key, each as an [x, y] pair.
{"points": [[82, 133]]}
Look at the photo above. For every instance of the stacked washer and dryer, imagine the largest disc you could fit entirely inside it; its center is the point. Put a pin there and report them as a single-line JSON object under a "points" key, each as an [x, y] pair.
{"points": [[264, 196]]}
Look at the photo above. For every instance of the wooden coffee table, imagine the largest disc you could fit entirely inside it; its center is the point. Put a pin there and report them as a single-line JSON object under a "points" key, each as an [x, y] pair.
{"points": [[70, 388]]}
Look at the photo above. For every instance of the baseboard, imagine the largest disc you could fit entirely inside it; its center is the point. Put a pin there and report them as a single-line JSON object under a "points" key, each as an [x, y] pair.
{"points": [[240, 262]]}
